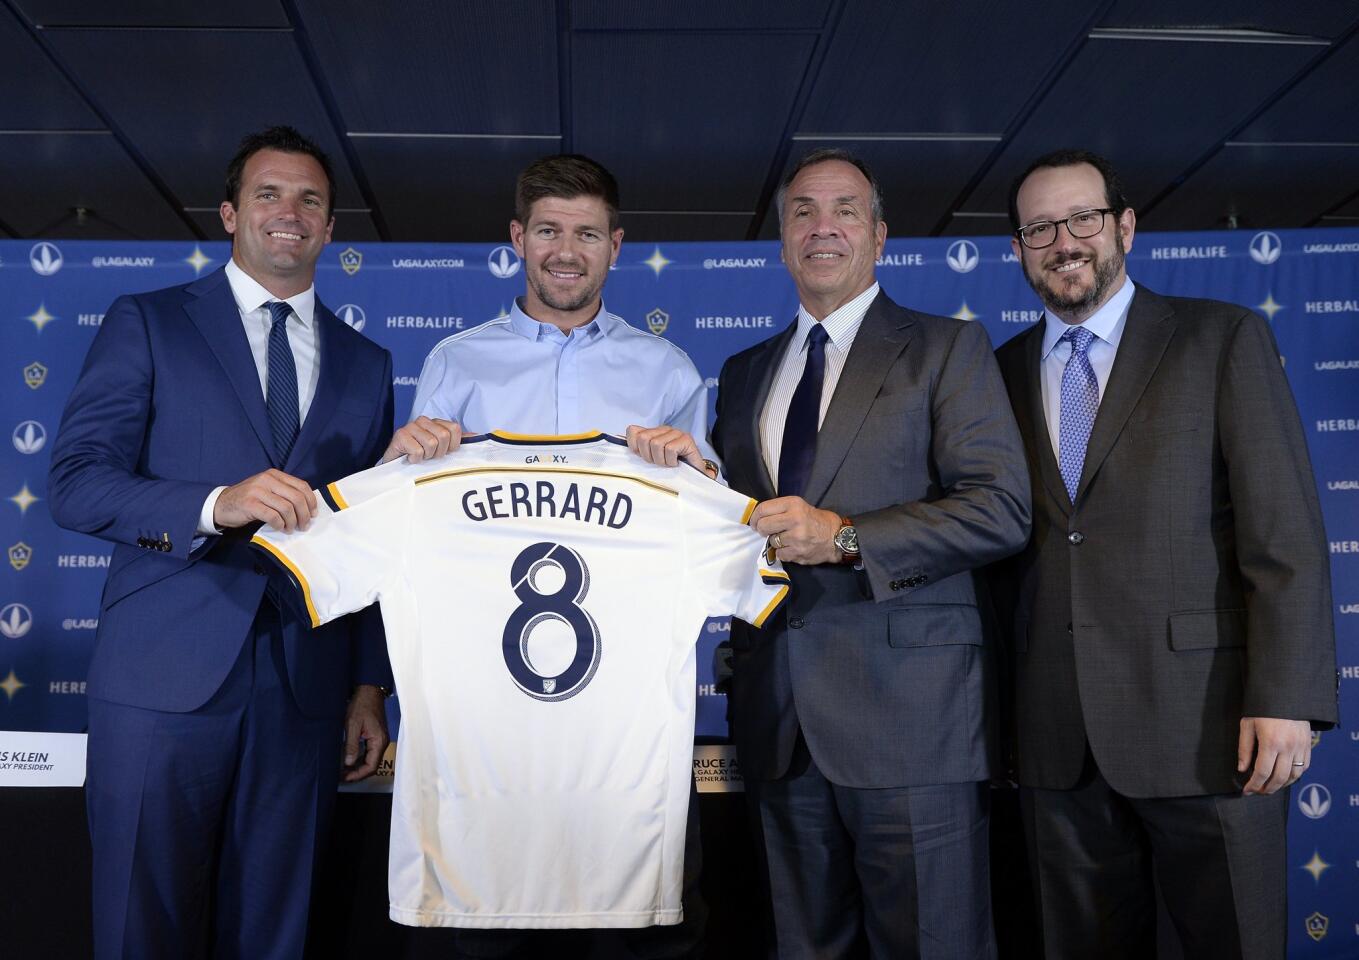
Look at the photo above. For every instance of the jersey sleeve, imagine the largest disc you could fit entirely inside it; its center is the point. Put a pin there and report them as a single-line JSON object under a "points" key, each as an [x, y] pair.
{"points": [[727, 560], [339, 562]]}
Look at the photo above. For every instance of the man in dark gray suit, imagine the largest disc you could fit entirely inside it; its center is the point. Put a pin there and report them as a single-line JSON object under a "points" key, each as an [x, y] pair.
{"points": [[890, 468], [1172, 613]]}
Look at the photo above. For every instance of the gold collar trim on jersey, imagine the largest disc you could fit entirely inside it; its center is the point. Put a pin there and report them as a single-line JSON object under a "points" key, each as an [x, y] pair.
{"points": [[575, 471]]}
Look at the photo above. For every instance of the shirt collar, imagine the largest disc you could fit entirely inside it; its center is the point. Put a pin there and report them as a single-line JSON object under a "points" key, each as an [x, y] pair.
{"points": [[840, 324], [524, 325], [1106, 323], [251, 296]]}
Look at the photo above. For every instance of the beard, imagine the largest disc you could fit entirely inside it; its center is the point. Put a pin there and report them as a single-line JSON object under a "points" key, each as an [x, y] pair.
{"points": [[584, 297], [1061, 297]]}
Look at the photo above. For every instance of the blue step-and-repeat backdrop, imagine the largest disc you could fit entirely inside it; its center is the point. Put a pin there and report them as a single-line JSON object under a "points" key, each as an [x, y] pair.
{"points": [[712, 300]]}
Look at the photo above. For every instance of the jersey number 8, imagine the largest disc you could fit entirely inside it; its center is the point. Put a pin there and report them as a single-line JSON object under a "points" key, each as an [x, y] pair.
{"points": [[536, 607]]}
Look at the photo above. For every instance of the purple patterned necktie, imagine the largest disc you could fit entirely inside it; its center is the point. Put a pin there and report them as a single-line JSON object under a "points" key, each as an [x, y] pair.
{"points": [[1080, 402], [280, 394]]}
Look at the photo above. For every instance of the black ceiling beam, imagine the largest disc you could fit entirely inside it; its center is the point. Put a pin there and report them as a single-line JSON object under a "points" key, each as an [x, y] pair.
{"points": [[135, 155], [1022, 116], [337, 124], [795, 114], [565, 88]]}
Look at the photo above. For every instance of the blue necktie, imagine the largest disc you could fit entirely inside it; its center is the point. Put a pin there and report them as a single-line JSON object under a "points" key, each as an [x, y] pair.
{"points": [[280, 394], [1080, 402], [804, 415]]}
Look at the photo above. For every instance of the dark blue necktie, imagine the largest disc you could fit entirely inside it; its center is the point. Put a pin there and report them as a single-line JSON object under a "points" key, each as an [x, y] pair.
{"points": [[804, 415], [280, 393]]}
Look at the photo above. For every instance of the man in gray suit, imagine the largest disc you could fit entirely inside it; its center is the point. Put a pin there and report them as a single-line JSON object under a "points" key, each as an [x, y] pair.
{"points": [[889, 469], [1172, 635]]}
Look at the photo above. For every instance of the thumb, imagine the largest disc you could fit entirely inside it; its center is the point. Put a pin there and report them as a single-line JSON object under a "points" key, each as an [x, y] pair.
{"points": [[1245, 745]]}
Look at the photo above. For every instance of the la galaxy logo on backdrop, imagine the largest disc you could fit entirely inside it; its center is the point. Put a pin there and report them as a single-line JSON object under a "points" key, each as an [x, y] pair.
{"points": [[658, 320], [45, 258], [1265, 247], [35, 375], [503, 262], [350, 261], [19, 555], [352, 314], [963, 256]]}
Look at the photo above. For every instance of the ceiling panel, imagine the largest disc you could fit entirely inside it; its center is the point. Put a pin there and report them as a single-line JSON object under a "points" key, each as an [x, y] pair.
{"points": [[695, 113], [1152, 122], [37, 96], [1240, 182], [448, 190], [1308, 19], [190, 99], [699, 14], [935, 68], [918, 178], [439, 67], [977, 226], [156, 13], [1324, 107], [80, 171]]}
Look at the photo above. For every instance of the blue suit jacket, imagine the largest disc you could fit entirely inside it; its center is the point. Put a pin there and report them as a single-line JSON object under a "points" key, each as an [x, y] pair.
{"points": [[167, 407]]}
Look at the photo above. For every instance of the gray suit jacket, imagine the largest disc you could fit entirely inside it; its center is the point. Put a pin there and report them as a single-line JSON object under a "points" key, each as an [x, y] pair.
{"points": [[1188, 585], [884, 670]]}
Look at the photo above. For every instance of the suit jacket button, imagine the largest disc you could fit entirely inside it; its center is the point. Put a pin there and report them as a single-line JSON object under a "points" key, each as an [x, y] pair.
{"points": [[1075, 538], [896, 584], [796, 623]]}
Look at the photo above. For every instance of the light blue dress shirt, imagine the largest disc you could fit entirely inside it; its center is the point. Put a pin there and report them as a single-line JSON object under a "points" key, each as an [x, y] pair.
{"points": [[517, 375], [1107, 325]]}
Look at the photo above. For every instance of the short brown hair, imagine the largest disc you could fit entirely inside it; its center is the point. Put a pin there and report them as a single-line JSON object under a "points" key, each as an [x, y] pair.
{"points": [[566, 176], [285, 140]]}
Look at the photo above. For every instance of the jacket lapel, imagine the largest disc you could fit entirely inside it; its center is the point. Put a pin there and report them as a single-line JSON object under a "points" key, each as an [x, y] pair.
{"points": [[762, 368], [1151, 323], [218, 319], [1033, 421], [329, 386], [882, 337]]}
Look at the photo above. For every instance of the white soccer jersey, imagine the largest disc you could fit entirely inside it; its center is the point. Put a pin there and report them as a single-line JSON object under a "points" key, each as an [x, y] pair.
{"points": [[542, 597]]}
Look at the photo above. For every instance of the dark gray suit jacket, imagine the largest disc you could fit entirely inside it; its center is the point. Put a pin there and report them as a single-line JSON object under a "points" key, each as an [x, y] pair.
{"points": [[1188, 586], [884, 670]]}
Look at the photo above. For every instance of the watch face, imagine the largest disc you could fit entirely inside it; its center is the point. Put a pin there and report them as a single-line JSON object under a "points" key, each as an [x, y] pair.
{"points": [[847, 540]]}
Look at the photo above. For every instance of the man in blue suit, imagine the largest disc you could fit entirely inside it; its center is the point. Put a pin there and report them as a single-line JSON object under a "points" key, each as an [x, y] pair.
{"points": [[215, 713]]}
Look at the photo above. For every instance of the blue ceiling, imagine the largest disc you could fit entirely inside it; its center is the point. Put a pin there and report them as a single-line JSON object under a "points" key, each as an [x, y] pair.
{"points": [[118, 119]]}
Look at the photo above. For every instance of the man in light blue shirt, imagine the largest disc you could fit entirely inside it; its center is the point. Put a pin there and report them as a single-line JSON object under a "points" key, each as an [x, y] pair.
{"points": [[561, 364]]}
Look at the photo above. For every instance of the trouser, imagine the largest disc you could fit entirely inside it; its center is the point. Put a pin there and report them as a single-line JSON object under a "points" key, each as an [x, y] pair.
{"points": [[205, 825]]}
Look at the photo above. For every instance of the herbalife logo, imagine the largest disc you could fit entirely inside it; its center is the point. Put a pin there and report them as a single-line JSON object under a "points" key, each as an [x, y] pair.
{"points": [[45, 258], [963, 256], [1314, 801], [353, 315], [15, 621], [1265, 247], [29, 437], [503, 262]]}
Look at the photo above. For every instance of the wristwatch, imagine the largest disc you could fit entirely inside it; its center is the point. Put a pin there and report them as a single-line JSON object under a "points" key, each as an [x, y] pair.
{"points": [[847, 541]]}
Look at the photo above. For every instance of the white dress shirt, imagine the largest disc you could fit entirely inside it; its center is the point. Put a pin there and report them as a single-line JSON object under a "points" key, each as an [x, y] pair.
{"points": [[1107, 325], [252, 300], [841, 327]]}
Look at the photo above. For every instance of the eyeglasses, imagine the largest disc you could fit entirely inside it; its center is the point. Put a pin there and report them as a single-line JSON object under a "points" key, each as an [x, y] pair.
{"points": [[1081, 225]]}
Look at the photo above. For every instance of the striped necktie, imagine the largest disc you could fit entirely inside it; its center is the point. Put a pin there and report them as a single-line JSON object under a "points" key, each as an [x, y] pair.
{"points": [[280, 394]]}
